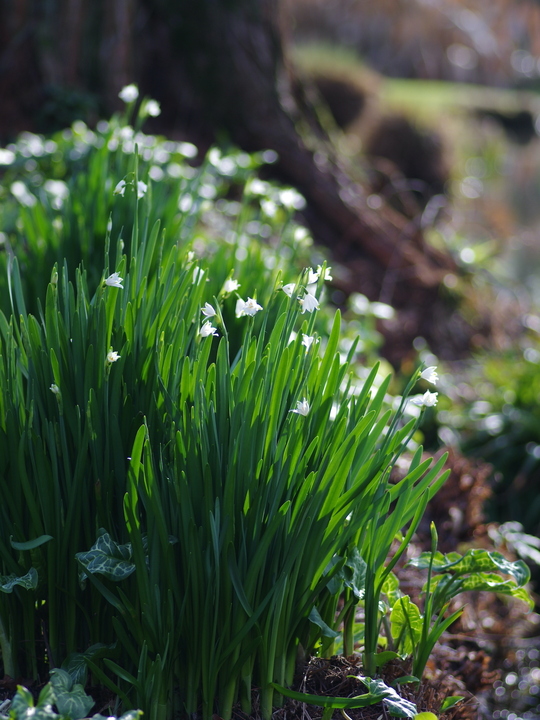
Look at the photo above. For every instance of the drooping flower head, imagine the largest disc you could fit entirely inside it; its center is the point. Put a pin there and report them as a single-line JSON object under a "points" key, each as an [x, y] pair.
{"points": [[309, 303], [208, 311], [114, 280], [288, 289], [428, 399], [55, 389], [430, 375], [129, 93], [208, 329], [229, 286], [307, 341], [249, 307], [302, 407], [112, 356]]}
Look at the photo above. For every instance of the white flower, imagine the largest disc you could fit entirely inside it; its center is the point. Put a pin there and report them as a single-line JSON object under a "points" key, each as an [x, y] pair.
{"points": [[112, 356], [150, 107], [229, 286], [428, 399], [115, 280], [198, 275], [302, 407], [208, 311], [249, 307], [309, 303], [129, 93], [288, 289], [120, 189], [55, 389], [430, 375], [307, 340], [326, 275], [190, 256], [208, 329], [141, 189], [313, 276]]}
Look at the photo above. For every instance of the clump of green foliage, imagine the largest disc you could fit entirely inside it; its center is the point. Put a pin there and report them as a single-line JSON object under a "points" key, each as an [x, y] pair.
{"points": [[194, 471]]}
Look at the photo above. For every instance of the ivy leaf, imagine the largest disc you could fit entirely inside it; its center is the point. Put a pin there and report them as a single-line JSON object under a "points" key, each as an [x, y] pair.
{"points": [[28, 581]]}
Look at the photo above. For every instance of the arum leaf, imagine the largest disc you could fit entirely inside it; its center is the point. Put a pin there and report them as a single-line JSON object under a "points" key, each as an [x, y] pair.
{"points": [[474, 561], [75, 663], [28, 581], [354, 573], [391, 589], [31, 544], [394, 703], [129, 715], [384, 657], [107, 558], [71, 700], [326, 630], [22, 705], [406, 624]]}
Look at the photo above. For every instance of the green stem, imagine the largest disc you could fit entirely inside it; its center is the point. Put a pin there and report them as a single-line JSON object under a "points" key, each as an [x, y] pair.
{"points": [[5, 649]]}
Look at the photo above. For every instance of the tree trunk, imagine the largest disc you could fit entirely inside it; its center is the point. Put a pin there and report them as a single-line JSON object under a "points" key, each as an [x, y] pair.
{"points": [[220, 70]]}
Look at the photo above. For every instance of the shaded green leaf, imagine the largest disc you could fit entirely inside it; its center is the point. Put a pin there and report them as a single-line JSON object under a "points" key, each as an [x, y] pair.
{"points": [[28, 581]]}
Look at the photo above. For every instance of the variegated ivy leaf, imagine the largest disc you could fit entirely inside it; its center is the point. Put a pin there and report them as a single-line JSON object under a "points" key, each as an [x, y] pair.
{"points": [[394, 703], [107, 558], [476, 560], [28, 581], [71, 700]]}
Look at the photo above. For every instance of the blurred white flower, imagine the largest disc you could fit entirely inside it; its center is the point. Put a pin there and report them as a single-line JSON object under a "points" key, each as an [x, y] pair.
{"points": [[198, 275], [115, 280], [309, 303], [430, 375], [190, 256], [307, 340], [22, 194], [229, 286], [120, 188], [208, 311], [7, 156], [208, 329], [55, 389], [288, 289], [313, 276], [150, 107], [327, 275], [428, 399], [302, 407], [141, 189], [112, 356], [129, 93], [249, 307]]}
